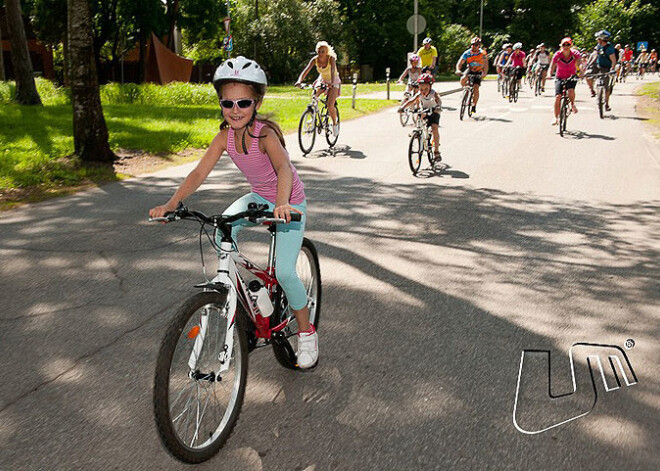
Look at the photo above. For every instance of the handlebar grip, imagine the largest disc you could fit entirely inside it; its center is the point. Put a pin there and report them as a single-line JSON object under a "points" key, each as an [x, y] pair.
{"points": [[295, 217]]}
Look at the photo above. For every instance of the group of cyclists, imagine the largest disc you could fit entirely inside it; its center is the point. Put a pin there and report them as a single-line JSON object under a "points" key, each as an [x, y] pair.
{"points": [[567, 65]]}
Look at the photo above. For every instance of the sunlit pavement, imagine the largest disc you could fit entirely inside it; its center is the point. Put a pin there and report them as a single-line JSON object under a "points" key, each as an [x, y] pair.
{"points": [[433, 286]]}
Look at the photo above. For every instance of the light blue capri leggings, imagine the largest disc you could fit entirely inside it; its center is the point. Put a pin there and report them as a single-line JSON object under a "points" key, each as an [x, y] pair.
{"points": [[288, 240]]}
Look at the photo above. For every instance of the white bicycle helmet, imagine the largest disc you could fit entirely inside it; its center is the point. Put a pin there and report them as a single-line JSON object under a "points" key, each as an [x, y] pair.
{"points": [[427, 41], [415, 58], [517, 46], [239, 69]]}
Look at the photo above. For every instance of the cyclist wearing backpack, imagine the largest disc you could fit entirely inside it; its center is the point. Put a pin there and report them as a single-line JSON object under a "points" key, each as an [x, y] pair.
{"points": [[605, 61], [256, 146]]}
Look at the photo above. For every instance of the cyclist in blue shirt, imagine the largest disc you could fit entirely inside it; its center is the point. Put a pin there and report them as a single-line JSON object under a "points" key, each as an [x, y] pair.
{"points": [[605, 61]]}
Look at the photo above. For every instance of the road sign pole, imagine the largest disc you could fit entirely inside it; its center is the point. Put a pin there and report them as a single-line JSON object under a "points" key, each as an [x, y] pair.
{"points": [[481, 19], [415, 21]]}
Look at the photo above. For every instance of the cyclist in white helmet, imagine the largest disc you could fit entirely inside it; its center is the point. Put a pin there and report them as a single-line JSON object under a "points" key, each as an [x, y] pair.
{"points": [[256, 146], [429, 56], [517, 60]]}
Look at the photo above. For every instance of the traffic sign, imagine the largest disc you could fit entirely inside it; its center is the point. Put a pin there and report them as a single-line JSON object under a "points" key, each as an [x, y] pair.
{"points": [[645, 44], [421, 24], [228, 43]]}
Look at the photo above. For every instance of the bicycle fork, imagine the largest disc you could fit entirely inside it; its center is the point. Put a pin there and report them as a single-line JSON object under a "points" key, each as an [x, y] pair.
{"points": [[229, 309]]}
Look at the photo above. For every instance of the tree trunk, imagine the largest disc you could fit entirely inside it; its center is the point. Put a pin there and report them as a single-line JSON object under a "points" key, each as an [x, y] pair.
{"points": [[90, 134], [26, 89], [2, 59]]}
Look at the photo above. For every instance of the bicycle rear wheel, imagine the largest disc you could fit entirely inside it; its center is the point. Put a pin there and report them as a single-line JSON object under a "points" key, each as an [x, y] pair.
{"points": [[415, 152], [601, 104], [309, 272], [196, 406], [307, 130], [330, 137]]}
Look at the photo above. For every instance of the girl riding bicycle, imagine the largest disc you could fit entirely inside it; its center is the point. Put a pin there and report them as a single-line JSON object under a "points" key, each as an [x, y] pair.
{"points": [[413, 72], [428, 99], [256, 145], [325, 61]]}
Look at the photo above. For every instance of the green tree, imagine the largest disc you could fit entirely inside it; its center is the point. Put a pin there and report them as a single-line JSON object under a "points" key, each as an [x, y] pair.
{"points": [[26, 89], [90, 134], [619, 17]]}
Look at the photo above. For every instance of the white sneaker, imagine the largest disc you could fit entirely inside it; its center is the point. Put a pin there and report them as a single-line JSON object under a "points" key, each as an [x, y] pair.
{"points": [[335, 129], [308, 349]]}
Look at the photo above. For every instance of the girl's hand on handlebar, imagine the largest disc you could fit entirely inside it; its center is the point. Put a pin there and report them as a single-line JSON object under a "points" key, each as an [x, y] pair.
{"points": [[284, 212], [160, 211]]}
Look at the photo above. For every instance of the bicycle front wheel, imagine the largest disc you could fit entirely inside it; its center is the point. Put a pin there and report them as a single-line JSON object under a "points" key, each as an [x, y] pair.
{"points": [[404, 117], [309, 272], [563, 116], [601, 103], [415, 152], [464, 104], [196, 405], [330, 136], [307, 130]]}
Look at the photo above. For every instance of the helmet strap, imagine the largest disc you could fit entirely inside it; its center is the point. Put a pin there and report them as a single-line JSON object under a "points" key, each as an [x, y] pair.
{"points": [[247, 131]]}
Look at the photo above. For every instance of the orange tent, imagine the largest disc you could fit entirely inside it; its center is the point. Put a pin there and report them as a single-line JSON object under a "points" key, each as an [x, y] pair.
{"points": [[164, 66]]}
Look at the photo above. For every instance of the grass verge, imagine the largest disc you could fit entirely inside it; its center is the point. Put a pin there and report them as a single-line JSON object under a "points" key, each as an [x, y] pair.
{"points": [[36, 145], [648, 105]]}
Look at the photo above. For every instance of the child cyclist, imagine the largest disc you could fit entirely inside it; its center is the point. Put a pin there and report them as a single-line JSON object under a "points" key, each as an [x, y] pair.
{"points": [[428, 99], [413, 72], [256, 146]]}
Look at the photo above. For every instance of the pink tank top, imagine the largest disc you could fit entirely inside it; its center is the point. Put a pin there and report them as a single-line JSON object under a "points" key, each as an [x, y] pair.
{"points": [[259, 171]]}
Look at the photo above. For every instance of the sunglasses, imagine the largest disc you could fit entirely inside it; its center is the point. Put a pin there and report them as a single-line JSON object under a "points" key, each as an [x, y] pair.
{"points": [[242, 104], [566, 44]]}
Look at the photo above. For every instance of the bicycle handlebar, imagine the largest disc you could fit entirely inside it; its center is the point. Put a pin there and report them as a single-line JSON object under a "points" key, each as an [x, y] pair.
{"points": [[256, 213]]}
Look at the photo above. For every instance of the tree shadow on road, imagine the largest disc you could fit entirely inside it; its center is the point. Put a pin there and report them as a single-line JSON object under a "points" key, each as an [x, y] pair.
{"points": [[430, 294]]}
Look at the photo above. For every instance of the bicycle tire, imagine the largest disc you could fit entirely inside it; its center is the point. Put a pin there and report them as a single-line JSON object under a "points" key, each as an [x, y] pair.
{"points": [[330, 137], [308, 261], [415, 151], [515, 92], [601, 110], [563, 116], [172, 368], [307, 130], [469, 102], [404, 118], [429, 150], [464, 102]]}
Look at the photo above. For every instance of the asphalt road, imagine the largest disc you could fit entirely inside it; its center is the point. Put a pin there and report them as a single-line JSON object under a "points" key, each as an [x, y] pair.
{"points": [[433, 287]]}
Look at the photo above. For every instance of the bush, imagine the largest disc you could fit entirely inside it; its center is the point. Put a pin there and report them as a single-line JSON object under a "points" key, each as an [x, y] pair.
{"points": [[173, 94], [50, 93], [454, 41]]}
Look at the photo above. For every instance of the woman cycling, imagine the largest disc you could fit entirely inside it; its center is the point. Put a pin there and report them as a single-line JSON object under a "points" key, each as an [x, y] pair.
{"points": [[325, 61], [517, 60], [566, 62]]}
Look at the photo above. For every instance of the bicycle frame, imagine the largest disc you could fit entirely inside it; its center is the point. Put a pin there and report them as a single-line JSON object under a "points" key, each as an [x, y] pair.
{"points": [[230, 278]]}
